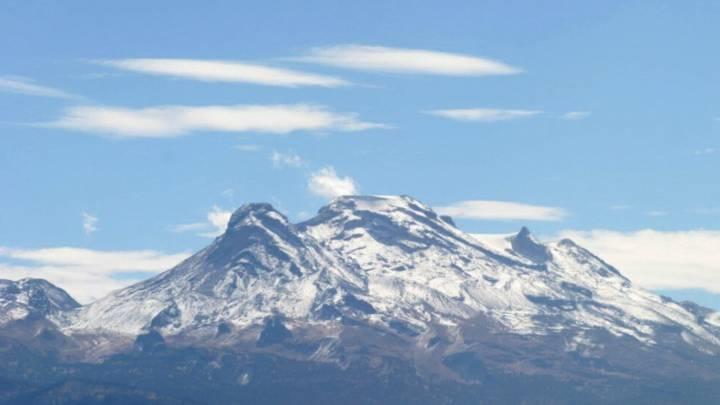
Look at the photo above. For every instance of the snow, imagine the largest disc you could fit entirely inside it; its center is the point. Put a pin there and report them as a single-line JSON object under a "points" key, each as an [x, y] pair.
{"points": [[397, 255]]}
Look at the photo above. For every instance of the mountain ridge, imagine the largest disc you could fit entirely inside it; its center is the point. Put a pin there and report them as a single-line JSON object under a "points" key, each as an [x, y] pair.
{"points": [[384, 282]]}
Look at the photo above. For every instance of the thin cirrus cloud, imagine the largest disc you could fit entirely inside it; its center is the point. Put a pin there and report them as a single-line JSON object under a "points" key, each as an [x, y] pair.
{"points": [[86, 274], [171, 121], [655, 259], [483, 114], [575, 115], [328, 184], [215, 224], [404, 60], [28, 87], [501, 211], [224, 71]]}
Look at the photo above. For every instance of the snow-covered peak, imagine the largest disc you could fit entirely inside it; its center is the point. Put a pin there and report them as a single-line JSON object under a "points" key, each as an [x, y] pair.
{"points": [[19, 299], [525, 244]]}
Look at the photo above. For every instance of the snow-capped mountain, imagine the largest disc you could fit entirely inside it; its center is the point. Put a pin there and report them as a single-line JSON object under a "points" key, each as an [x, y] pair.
{"points": [[27, 297], [393, 263], [377, 299]]}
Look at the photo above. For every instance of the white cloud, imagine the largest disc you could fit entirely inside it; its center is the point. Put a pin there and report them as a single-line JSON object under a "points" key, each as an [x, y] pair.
{"points": [[656, 259], [224, 71], [501, 211], [215, 224], [89, 223], [280, 160], [169, 121], [483, 114], [86, 274], [402, 60], [656, 213], [576, 115], [28, 87], [326, 183]]}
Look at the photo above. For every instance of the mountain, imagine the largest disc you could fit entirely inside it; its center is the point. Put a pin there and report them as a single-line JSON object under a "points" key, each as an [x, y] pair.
{"points": [[32, 297], [378, 299]]}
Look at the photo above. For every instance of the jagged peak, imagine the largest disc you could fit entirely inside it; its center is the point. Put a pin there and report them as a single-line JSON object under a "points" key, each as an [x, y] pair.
{"points": [[525, 244]]}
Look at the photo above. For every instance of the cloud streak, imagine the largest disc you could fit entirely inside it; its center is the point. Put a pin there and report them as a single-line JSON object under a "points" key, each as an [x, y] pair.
{"points": [[86, 274], [172, 121], [224, 71], [575, 115], [403, 60], [328, 184], [501, 211], [215, 225], [483, 114], [28, 87]]}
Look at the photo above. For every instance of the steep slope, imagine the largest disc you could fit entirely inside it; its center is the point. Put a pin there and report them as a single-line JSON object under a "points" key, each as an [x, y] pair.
{"points": [[259, 267]]}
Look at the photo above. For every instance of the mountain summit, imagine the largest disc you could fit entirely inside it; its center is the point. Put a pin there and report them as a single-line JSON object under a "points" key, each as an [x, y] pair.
{"points": [[386, 283]]}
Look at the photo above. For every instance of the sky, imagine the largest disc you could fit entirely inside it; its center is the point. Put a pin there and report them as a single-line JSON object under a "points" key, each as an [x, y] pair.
{"points": [[129, 131]]}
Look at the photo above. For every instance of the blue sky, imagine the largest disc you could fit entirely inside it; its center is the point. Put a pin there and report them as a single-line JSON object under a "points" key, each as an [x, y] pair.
{"points": [[597, 120]]}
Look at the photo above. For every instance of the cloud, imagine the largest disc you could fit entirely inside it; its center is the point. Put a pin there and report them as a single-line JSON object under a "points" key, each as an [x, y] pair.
{"points": [[215, 224], [705, 151], [281, 160], [170, 121], [89, 223], [248, 147], [501, 211], [575, 115], [326, 183], [483, 114], [224, 71], [402, 60], [28, 87], [656, 213], [656, 259], [86, 274]]}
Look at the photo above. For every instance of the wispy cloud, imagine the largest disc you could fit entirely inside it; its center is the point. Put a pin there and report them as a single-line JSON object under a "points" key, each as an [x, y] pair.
{"points": [[656, 259], [224, 71], [86, 274], [705, 151], [89, 223], [656, 213], [28, 87], [248, 147], [501, 211], [215, 224], [328, 184], [290, 159], [575, 115], [403, 60], [483, 114], [171, 121]]}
